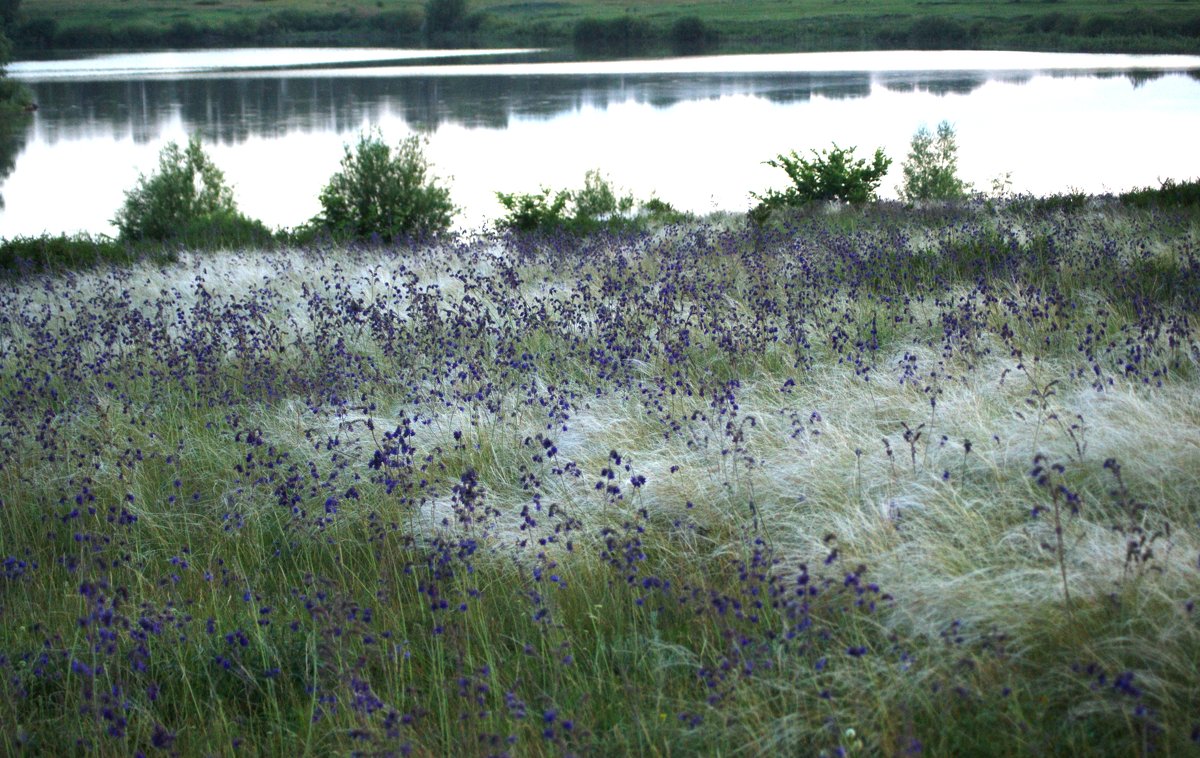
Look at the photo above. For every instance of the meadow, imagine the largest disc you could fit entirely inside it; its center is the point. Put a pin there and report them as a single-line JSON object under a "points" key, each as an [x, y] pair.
{"points": [[875, 480], [614, 27]]}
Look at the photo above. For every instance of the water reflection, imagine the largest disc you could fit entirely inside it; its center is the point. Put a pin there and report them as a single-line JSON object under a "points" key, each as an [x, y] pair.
{"points": [[950, 83], [13, 135], [685, 129], [235, 109]]}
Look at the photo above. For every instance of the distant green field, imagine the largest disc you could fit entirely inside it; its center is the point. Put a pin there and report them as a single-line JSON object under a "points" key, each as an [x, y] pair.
{"points": [[1163, 26]]}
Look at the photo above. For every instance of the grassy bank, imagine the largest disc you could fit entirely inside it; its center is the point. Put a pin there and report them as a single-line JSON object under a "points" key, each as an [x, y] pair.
{"points": [[882, 480], [602, 26]]}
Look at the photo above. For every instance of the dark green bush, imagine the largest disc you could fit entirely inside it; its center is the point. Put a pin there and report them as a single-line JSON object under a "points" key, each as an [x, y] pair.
{"points": [[402, 22], [378, 193], [1054, 23], [592, 207], [14, 98], [185, 200], [831, 175], [614, 36], [444, 15], [36, 33], [937, 33], [8, 11], [534, 211], [691, 35], [186, 33], [225, 230], [1131, 23], [659, 211]]}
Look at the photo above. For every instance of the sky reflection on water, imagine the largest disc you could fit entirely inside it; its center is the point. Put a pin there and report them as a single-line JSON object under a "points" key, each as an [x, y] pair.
{"points": [[693, 131]]}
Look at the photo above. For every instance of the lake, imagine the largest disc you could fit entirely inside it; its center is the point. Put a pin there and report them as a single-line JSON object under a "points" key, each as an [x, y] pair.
{"points": [[692, 131]]}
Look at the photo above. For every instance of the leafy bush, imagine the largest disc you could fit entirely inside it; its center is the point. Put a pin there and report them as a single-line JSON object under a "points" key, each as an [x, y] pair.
{"points": [[931, 169], [690, 34], [594, 206], [535, 211], [1054, 23], [830, 175], [225, 230], [8, 11], [621, 35], [385, 194], [444, 15], [185, 199], [660, 211], [936, 33], [597, 201]]}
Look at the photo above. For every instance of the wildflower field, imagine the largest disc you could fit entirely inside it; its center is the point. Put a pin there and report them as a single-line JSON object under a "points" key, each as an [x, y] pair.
{"points": [[874, 481]]}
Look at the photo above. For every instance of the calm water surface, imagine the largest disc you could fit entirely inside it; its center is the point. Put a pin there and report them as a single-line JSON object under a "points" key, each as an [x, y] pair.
{"points": [[693, 131]]}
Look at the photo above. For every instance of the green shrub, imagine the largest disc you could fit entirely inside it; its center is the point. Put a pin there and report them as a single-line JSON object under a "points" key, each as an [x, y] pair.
{"points": [[385, 194], [597, 201], [535, 211], [402, 22], [14, 100], [936, 33], [8, 11], [1054, 23], [614, 36], [444, 15], [594, 206], [225, 230], [830, 175], [690, 35], [931, 169], [188, 193], [659, 211]]}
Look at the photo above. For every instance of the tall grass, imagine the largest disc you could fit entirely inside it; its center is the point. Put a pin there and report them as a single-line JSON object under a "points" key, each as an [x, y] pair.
{"points": [[876, 482]]}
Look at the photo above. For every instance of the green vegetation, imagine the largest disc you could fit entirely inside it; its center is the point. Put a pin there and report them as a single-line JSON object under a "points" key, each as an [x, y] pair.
{"points": [[380, 194], [691, 34], [830, 175], [443, 16], [621, 35], [14, 99], [534, 211], [23, 256], [1170, 193], [616, 27], [887, 481], [186, 201], [931, 168], [595, 206]]}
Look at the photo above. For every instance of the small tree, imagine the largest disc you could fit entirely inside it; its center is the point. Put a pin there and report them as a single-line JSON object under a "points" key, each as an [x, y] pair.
{"points": [[931, 169], [385, 194], [830, 175], [186, 192], [597, 201]]}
